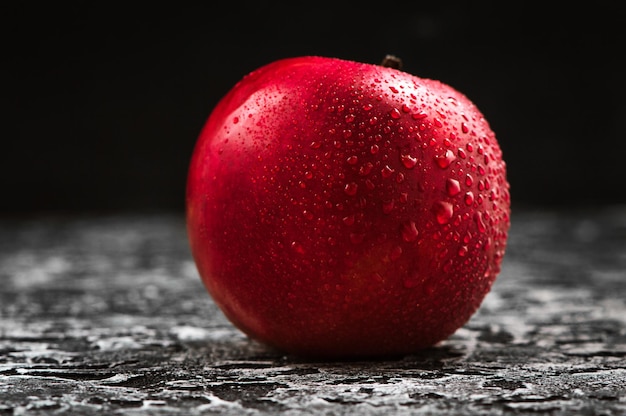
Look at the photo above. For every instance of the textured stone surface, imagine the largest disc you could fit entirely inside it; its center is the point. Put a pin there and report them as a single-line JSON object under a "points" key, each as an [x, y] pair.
{"points": [[108, 315]]}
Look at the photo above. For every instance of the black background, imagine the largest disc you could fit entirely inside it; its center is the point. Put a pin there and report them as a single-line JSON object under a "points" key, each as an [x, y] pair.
{"points": [[103, 105]]}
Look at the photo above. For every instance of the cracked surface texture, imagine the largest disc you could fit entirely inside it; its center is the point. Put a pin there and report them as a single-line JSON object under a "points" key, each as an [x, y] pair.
{"points": [[108, 314]]}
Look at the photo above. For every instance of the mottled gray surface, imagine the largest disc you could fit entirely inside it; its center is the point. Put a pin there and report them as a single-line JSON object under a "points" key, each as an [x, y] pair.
{"points": [[108, 315]]}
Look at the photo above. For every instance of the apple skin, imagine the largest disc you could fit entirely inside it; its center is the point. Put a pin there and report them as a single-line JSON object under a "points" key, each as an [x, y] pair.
{"points": [[338, 209]]}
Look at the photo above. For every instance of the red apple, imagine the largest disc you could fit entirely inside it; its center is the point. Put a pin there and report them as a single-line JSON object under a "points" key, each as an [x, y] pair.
{"points": [[340, 209]]}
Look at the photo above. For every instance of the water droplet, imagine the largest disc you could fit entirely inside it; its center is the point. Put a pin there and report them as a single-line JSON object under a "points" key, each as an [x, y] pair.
{"points": [[297, 247], [443, 212], [469, 198], [463, 251], [367, 107], [386, 171], [469, 180], [374, 149], [388, 206], [395, 113], [453, 187], [479, 222], [419, 116], [408, 161], [351, 188], [315, 145], [349, 118], [366, 168], [349, 220], [409, 231], [347, 133], [464, 127], [444, 160], [393, 89], [352, 160], [235, 120]]}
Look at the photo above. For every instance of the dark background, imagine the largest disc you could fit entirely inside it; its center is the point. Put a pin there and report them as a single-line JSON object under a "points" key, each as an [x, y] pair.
{"points": [[105, 104]]}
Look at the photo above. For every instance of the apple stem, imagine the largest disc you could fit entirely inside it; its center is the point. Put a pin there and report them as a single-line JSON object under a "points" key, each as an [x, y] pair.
{"points": [[391, 61]]}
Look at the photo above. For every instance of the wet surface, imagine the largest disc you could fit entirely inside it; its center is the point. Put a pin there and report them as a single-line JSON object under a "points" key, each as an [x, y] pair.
{"points": [[108, 315]]}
